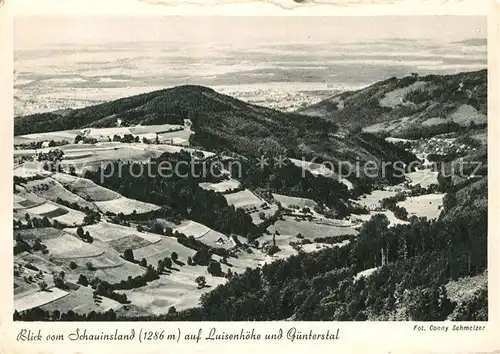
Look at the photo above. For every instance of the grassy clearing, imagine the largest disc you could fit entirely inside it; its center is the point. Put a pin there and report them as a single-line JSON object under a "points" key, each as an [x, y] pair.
{"points": [[126, 206], [269, 211], [151, 238], [192, 228], [393, 220], [38, 298], [42, 209], [428, 205], [123, 152], [85, 188], [39, 262], [314, 168], [180, 137], [423, 177], [82, 301], [372, 200], [177, 289], [131, 241], [77, 155], [55, 213], [69, 247], [308, 229], [396, 97], [243, 199], [68, 135], [109, 266], [21, 203], [105, 231], [310, 248], [51, 189], [321, 169], [30, 169], [466, 114], [72, 218], [164, 248], [216, 239], [286, 201], [145, 129], [221, 186], [109, 232], [47, 233]]}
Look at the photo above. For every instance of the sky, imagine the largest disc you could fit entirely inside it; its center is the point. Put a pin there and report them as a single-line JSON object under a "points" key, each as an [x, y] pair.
{"points": [[245, 31]]}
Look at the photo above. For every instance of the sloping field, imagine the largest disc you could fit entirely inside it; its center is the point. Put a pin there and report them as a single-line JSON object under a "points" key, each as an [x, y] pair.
{"points": [[85, 188], [321, 169], [192, 228], [50, 210], [130, 241], [434, 121], [314, 168], [68, 135], [268, 211], [69, 247], [51, 189], [30, 169], [217, 239], [393, 220], [221, 187], [38, 298], [103, 157], [27, 200], [126, 206], [105, 231], [145, 129], [286, 201], [252, 204], [108, 266], [466, 114], [177, 289], [314, 247], [108, 232], [43, 209], [164, 248], [172, 149], [82, 301], [395, 98], [204, 234], [46, 233], [71, 218], [372, 200], [77, 155], [428, 205], [423, 177], [41, 263], [96, 132], [243, 199], [180, 137], [308, 229]]}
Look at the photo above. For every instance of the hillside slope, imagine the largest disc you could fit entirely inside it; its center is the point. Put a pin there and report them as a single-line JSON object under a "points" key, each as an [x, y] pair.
{"points": [[403, 106], [221, 122]]}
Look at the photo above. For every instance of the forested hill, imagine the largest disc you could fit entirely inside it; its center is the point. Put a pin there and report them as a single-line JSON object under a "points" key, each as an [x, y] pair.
{"points": [[221, 122], [402, 107]]}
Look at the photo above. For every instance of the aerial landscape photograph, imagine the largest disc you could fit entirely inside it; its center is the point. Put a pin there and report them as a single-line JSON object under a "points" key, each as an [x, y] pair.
{"points": [[172, 168]]}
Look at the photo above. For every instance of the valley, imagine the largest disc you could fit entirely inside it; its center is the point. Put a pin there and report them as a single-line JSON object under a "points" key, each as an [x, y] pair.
{"points": [[96, 239]]}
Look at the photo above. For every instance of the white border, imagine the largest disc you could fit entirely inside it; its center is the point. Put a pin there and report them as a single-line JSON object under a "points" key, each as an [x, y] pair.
{"points": [[372, 337]]}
